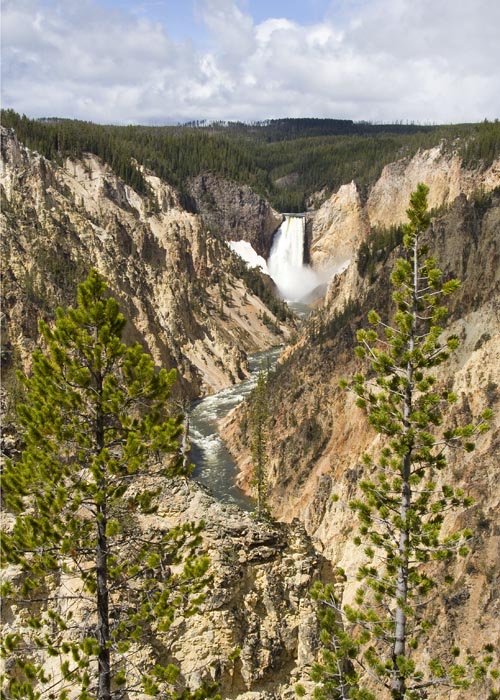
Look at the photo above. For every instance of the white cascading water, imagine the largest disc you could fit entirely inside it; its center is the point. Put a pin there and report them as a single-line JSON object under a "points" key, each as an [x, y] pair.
{"points": [[286, 261]]}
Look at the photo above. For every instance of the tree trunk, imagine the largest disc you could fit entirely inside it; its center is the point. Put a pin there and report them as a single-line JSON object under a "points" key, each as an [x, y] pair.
{"points": [[103, 661], [104, 674], [399, 648], [398, 685]]}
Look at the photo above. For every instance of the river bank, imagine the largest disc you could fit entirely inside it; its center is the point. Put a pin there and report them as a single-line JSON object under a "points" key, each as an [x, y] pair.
{"points": [[215, 467]]}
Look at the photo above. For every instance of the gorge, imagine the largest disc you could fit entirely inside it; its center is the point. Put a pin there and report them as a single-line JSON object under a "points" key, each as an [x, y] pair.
{"points": [[193, 304]]}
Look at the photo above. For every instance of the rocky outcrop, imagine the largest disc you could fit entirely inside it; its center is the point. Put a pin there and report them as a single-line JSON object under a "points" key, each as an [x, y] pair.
{"points": [[255, 634], [235, 211], [344, 220], [259, 601], [177, 283]]}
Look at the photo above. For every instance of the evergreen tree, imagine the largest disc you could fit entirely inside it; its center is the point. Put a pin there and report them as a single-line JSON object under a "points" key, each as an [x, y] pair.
{"points": [[94, 580], [310, 154], [402, 508]]}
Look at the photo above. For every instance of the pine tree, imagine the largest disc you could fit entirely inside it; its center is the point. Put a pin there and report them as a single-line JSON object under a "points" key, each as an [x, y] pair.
{"points": [[402, 508], [95, 580]]}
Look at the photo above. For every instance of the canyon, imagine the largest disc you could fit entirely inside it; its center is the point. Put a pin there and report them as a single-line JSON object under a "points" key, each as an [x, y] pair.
{"points": [[179, 286], [189, 302]]}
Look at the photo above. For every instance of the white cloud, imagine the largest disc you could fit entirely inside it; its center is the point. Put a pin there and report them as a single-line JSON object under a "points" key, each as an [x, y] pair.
{"points": [[232, 30], [382, 60]]}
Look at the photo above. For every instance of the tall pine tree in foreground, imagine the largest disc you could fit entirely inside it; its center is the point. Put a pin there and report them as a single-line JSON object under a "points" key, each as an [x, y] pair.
{"points": [[95, 577], [370, 648]]}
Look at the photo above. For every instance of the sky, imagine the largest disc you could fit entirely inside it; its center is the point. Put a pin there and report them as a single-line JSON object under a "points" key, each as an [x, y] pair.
{"points": [[170, 61]]}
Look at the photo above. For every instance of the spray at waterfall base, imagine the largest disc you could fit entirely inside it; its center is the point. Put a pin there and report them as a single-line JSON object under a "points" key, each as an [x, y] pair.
{"points": [[285, 265]]}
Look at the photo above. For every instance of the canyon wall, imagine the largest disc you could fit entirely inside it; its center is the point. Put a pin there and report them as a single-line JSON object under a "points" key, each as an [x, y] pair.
{"points": [[346, 218], [317, 435], [179, 285], [235, 211]]}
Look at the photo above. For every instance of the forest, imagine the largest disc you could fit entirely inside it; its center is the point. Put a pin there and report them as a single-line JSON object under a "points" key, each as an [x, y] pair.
{"points": [[284, 160]]}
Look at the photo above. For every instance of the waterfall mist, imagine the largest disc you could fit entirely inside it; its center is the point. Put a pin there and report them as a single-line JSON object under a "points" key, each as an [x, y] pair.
{"points": [[286, 261]]}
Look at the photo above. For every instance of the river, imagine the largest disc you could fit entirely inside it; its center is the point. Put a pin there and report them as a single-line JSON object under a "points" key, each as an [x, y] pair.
{"points": [[214, 465], [215, 468]]}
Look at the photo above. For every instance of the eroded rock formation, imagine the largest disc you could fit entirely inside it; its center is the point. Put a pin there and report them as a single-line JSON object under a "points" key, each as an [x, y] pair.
{"points": [[235, 211], [259, 601], [177, 284], [345, 219]]}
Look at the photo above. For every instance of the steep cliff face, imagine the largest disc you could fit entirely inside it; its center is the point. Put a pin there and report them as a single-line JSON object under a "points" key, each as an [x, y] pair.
{"points": [[338, 228], [443, 173], [177, 284], [235, 211], [317, 434], [344, 220]]}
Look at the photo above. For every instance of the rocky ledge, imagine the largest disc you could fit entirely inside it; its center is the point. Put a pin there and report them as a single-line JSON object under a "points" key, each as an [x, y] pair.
{"points": [[259, 601]]}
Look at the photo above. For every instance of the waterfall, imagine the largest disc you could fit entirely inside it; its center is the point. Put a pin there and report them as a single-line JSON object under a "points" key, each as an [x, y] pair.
{"points": [[286, 260]]}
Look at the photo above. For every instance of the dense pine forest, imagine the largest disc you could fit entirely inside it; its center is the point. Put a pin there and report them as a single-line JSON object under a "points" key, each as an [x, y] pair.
{"points": [[285, 160]]}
